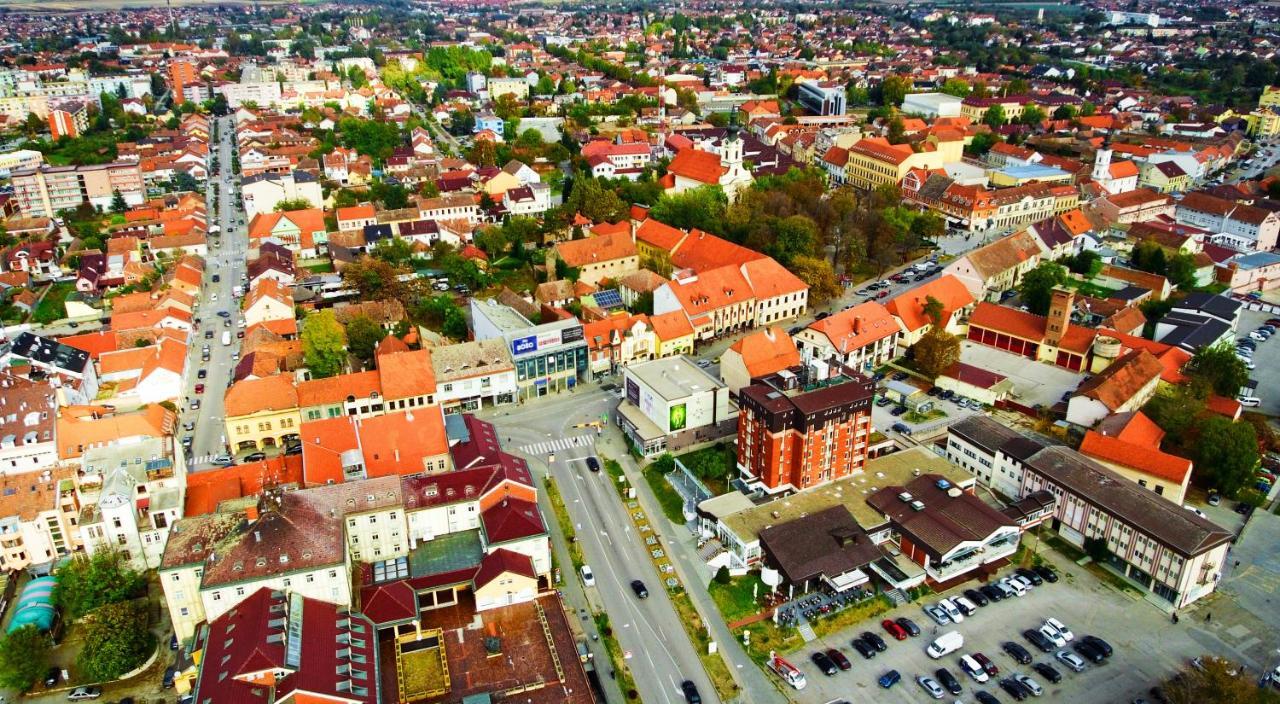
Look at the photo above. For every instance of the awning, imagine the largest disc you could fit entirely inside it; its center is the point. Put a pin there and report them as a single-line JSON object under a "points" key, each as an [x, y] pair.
{"points": [[847, 580]]}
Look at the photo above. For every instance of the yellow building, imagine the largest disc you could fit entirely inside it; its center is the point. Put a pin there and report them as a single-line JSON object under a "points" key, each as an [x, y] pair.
{"points": [[1165, 177], [1263, 122], [673, 333], [976, 108], [875, 162], [261, 413], [1270, 97]]}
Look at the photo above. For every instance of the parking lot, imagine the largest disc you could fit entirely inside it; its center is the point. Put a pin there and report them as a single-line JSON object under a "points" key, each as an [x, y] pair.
{"points": [[1082, 602], [1266, 359], [1034, 383]]}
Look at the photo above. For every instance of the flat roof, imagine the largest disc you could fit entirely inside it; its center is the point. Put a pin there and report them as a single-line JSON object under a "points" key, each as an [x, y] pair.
{"points": [[895, 469], [674, 378], [1033, 171], [505, 318]]}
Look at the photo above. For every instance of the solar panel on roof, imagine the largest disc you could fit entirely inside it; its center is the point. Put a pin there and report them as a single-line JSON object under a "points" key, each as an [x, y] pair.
{"points": [[608, 298]]}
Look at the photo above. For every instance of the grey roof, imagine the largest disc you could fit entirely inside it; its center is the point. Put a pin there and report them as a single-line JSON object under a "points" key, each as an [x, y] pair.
{"points": [[1219, 307], [983, 431], [50, 353], [1191, 332], [1168, 523]]}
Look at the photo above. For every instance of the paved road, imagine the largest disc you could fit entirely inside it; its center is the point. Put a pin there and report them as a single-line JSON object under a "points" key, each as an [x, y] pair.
{"points": [[226, 260], [661, 655]]}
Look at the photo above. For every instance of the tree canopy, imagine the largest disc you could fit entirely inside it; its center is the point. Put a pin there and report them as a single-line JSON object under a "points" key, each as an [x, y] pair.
{"points": [[324, 344], [90, 581], [1226, 453], [24, 658], [1038, 284], [1220, 369], [363, 336], [117, 639]]}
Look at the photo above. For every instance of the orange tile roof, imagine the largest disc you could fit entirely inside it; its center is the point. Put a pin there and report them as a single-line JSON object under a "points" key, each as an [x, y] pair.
{"points": [[356, 212], [854, 328], [1123, 379], [1143, 458], [712, 289], [769, 279], [767, 351], [1020, 324], [207, 489], [601, 248], [880, 149], [1075, 222], [695, 164], [336, 389], [1123, 169], [701, 251], [622, 227], [1223, 406], [660, 235], [1171, 358], [909, 306], [392, 444], [671, 326], [599, 333], [95, 343], [82, 427], [407, 374], [271, 393]]}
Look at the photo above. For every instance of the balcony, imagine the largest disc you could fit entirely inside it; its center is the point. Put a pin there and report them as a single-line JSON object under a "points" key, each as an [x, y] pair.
{"points": [[945, 571]]}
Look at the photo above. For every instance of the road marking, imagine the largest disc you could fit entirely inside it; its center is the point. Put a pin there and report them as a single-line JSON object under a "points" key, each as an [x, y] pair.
{"points": [[542, 448]]}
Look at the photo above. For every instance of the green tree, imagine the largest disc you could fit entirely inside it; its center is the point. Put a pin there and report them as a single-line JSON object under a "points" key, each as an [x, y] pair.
{"points": [[818, 274], [933, 309], [1038, 284], [1032, 116], [1176, 408], [289, 205], [117, 202], [957, 87], [1181, 270], [1149, 256], [324, 344], [936, 351], [24, 658], [981, 144], [595, 201], [88, 582], [363, 336], [893, 90], [1219, 368], [994, 117], [793, 237], [1226, 453], [702, 208], [117, 639], [1083, 262]]}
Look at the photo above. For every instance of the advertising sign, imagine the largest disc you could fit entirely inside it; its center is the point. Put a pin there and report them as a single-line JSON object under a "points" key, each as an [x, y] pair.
{"points": [[633, 392], [524, 345], [550, 338], [573, 334], [677, 416]]}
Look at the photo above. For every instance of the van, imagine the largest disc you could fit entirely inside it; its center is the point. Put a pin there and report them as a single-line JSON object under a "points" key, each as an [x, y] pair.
{"points": [[226, 338], [945, 644], [588, 579], [1249, 401]]}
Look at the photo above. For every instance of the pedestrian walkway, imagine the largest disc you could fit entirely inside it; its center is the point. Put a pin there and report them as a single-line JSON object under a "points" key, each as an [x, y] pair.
{"points": [[542, 448], [806, 632]]}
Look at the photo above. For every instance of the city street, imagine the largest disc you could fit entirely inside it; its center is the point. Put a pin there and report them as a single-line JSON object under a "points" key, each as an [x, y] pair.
{"points": [[661, 656], [225, 260]]}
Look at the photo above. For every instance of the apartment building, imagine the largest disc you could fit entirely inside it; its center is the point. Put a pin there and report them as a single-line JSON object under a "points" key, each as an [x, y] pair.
{"points": [[38, 516], [132, 493], [804, 427], [46, 190], [862, 337]]}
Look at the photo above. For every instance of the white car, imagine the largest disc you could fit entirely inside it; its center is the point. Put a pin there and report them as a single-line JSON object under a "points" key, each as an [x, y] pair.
{"points": [[1195, 510], [213, 298], [1070, 659], [588, 579], [1060, 627], [1018, 579], [1036, 689], [953, 612], [1053, 636], [1013, 585], [974, 670]]}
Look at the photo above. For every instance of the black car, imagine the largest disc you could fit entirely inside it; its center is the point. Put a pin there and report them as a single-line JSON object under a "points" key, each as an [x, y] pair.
{"points": [[1017, 652], [216, 278], [901, 376], [1048, 672], [866, 650], [293, 448], [839, 659], [690, 690], [825, 664], [638, 587], [1100, 644], [1047, 574], [203, 373], [947, 680], [1014, 688], [1030, 575], [822, 316], [169, 675], [52, 677], [1088, 651], [1039, 640], [255, 457], [874, 641], [909, 625], [976, 597], [991, 592], [593, 464], [985, 697]]}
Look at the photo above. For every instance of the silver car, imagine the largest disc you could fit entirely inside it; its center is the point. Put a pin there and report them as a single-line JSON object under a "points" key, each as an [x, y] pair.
{"points": [[1071, 660], [1036, 689], [938, 614], [931, 686]]}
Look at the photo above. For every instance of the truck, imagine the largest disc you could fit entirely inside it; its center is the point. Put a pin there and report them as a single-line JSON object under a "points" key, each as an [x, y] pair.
{"points": [[945, 644], [788, 672], [226, 338], [236, 291]]}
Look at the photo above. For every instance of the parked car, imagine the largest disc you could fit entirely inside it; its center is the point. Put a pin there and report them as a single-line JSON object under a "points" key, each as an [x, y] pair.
{"points": [[1039, 640], [953, 611], [1100, 644], [82, 693], [1060, 627], [948, 680], [866, 650], [1013, 689], [893, 629], [1047, 574], [1031, 685], [874, 641], [52, 677], [968, 608], [824, 664], [912, 629], [1070, 659], [890, 678], [992, 592], [938, 614], [986, 664], [1017, 652], [973, 669], [976, 597], [1030, 575], [255, 457], [1053, 636], [902, 428], [202, 373], [985, 697], [1089, 651], [1047, 671], [839, 659], [931, 686]]}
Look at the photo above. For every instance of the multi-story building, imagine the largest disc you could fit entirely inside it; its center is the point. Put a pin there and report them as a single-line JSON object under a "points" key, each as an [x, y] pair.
{"points": [[874, 162], [997, 267], [19, 160], [517, 88], [822, 99], [804, 427], [1244, 228], [670, 403], [261, 413], [132, 494], [38, 516], [996, 454], [470, 373], [549, 358], [28, 414], [862, 337], [605, 256], [46, 190], [181, 75], [68, 120]]}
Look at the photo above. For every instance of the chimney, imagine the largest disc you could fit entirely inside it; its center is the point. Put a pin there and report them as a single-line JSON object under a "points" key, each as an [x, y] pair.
{"points": [[251, 512], [257, 536]]}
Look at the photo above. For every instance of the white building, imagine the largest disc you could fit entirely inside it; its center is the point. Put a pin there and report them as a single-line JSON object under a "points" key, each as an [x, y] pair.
{"points": [[931, 105], [263, 192], [132, 494]]}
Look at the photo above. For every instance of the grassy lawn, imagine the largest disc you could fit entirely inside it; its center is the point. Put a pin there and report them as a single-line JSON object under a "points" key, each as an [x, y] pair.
{"points": [[738, 599], [714, 664], [712, 466], [765, 636], [1088, 288], [52, 307], [325, 268], [913, 417], [626, 682], [672, 504], [566, 523]]}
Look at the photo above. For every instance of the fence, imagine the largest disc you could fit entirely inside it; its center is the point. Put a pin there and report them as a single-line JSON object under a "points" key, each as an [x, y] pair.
{"points": [[690, 489]]}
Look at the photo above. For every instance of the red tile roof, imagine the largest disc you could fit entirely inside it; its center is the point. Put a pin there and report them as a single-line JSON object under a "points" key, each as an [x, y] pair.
{"points": [[1144, 458], [697, 165], [909, 306], [513, 519]]}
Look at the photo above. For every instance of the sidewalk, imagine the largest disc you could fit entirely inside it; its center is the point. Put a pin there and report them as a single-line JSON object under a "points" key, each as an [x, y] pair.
{"points": [[755, 686]]}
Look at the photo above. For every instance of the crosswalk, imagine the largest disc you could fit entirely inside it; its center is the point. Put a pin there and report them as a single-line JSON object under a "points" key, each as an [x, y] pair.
{"points": [[542, 448]]}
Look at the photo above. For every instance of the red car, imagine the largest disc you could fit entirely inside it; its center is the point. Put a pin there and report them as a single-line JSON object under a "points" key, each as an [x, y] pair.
{"points": [[986, 664], [882, 294], [199, 388], [894, 629]]}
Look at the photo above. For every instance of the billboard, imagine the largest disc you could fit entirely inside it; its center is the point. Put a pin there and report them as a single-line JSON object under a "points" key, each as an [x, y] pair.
{"points": [[524, 345], [633, 392], [572, 334], [550, 338], [677, 416]]}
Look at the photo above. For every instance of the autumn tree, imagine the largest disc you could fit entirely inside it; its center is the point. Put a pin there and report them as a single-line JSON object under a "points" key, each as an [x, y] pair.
{"points": [[1217, 681], [936, 351], [324, 344], [817, 273]]}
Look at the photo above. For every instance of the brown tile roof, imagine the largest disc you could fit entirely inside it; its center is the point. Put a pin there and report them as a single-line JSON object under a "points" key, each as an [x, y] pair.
{"points": [[1120, 381], [1004, 254], [601, 248], [272, 393]]}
